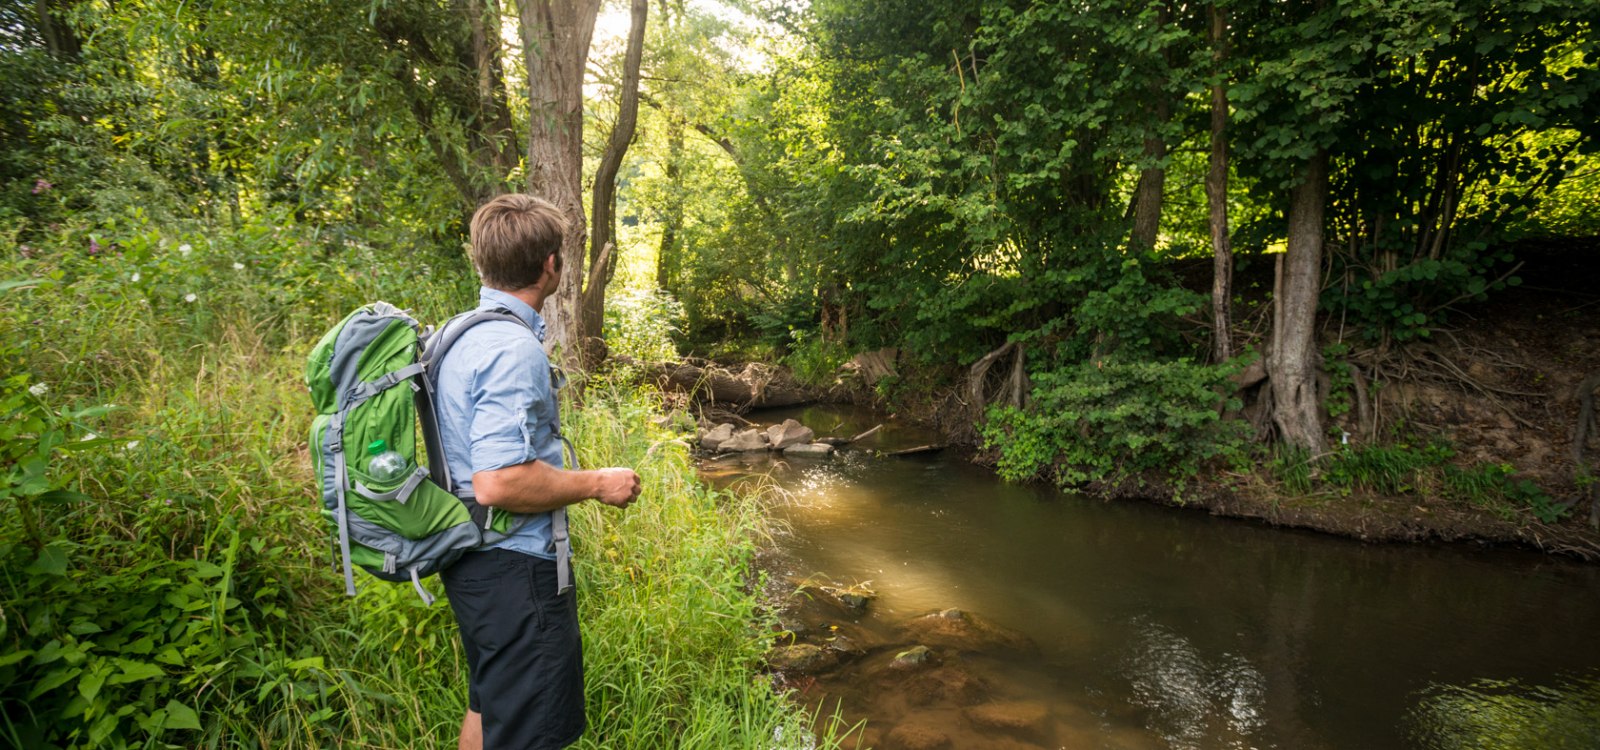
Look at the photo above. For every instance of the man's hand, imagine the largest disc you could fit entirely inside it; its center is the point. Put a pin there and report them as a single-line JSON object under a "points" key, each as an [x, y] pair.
{"points": [[617, 486]]}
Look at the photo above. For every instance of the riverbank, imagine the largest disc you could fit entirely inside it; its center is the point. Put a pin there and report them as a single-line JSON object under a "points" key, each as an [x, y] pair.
{"points": [[1466, 439]]}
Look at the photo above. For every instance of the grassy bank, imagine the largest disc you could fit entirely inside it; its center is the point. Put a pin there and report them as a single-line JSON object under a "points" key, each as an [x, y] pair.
{"points": [[165, 580]]}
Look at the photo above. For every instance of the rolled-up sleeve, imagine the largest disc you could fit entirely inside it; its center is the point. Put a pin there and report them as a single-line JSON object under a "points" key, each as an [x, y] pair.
{"points": [[504, 389]]}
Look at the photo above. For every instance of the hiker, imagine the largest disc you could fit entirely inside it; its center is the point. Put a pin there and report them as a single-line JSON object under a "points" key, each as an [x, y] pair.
{"points": [[498, 422]]}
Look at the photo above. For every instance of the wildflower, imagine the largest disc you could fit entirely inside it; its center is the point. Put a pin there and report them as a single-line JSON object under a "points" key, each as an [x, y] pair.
{"points": [[27, 251], [238, 266], [131, 445], [94, 246], [190, 297], [42, 186], [136, 276], [38, 389], [88, 437], [185, 249]]}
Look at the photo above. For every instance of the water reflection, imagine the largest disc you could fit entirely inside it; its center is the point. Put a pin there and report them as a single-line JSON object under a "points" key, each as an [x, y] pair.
{"points": [[1163, 628], [1508, 715], [1193, 700]]}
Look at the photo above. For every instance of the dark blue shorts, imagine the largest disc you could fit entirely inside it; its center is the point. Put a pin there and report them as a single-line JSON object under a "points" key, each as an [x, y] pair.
{"points": [[524, 654]]}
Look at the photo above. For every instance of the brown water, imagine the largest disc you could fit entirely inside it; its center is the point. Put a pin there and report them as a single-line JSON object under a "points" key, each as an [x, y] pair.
{"points": [[1163, 628]]}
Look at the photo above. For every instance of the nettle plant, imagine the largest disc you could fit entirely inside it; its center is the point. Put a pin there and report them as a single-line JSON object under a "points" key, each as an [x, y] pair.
{"points": [[1114, 420]]}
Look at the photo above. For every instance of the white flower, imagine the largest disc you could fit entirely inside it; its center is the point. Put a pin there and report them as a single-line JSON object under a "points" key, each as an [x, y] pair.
{"points": [[38, 389], [185, 249], [131, 445], [190, 297], [136, 276], [238, 266], [88, 437]]}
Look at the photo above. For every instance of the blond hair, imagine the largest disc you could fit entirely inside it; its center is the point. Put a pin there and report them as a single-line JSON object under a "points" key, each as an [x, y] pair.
{"points": [[512, 236]]}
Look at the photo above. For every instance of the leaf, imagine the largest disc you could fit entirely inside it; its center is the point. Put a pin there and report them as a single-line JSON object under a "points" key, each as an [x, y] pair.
{"points": [[14, 657], [180, 716], [52, 561], [54, 680], [133, 671], [6, 286], [62, 496], [90, 685]]}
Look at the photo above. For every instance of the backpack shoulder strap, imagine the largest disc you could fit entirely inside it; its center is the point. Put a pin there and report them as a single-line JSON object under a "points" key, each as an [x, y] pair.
{"points": [[434, 349]]}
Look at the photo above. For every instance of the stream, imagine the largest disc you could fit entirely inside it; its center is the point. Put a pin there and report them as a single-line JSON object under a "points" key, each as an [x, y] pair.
{"points": [[1153, 627]]}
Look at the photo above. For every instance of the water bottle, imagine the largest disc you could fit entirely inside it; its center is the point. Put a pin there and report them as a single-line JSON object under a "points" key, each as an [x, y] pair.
{"points": [[386, 464]]}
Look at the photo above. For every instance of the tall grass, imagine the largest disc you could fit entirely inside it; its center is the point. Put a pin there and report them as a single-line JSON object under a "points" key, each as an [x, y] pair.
{"points": [[165, 580]]}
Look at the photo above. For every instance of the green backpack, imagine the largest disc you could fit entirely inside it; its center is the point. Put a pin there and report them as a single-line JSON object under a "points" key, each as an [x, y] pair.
{"points": [[410, 527]]}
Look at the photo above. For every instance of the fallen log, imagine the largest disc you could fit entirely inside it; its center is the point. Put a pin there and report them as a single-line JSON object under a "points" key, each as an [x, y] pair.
{"points": [[755, 386]]}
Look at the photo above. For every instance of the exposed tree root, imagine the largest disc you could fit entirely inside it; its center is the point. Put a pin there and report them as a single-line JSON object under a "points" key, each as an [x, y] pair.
{"points": [[1588, 427]]}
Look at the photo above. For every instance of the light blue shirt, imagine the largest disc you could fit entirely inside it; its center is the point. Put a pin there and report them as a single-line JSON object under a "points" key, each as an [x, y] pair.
{"points": [[497, 407]]}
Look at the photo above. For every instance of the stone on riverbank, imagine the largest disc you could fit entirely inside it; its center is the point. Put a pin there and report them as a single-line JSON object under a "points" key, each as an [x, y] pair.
{"points": [[789, 433], [802, 658], [713, 438], [749, 441], [809, 450]]}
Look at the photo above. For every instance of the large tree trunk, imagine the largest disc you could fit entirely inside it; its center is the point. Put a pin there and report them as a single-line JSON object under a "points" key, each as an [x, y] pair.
{"points": [[555, 49], [602, 244], [1293, 362], [1217, 197]]}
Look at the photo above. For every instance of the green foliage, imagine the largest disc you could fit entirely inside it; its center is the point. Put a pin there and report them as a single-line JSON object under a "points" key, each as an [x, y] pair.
{"points": [[815, 359], [1491, 485], [1412, 300], [643, 324], [1116, 421], [1407, 467]]}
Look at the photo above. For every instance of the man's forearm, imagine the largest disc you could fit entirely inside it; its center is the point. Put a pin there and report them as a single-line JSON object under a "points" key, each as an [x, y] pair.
{"points": [[534, 487]]}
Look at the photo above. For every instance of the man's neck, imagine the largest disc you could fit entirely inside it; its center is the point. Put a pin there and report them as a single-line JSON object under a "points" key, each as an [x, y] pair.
{"points": [[533, 296]]}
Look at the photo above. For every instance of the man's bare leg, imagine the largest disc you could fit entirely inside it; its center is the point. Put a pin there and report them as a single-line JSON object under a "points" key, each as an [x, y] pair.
{"points": [[471, 731]]}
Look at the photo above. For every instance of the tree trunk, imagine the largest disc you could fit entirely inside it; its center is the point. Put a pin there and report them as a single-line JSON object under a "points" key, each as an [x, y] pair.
{"points": [[667, 255], [1153, 180], [1292, 363], [602, 244], [1217, 197], [495, 135], [555, 49]]}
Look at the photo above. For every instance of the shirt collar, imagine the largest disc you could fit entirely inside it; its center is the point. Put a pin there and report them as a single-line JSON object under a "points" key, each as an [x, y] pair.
{"points": [[489, 299]]}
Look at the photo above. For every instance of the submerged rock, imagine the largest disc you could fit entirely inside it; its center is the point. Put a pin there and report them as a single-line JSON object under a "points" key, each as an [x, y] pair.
{"points": [[964, 631], [918, 737], [912, 658], [944, 685], [809, 450], [1024, 718]]}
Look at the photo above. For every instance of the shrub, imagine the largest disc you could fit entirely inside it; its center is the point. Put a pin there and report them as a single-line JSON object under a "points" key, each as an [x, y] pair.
{"points": [[1116, 420]]}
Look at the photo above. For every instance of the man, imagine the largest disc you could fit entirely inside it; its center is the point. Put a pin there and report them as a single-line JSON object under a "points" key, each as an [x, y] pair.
{"points": [[498, 425]]}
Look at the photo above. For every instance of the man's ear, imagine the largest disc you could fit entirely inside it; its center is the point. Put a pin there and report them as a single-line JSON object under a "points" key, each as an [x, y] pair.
{"points": [[551, 264]]}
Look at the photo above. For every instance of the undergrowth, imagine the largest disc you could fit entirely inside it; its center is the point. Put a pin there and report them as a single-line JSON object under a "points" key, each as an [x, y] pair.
{"points": [[1410, 467]]}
